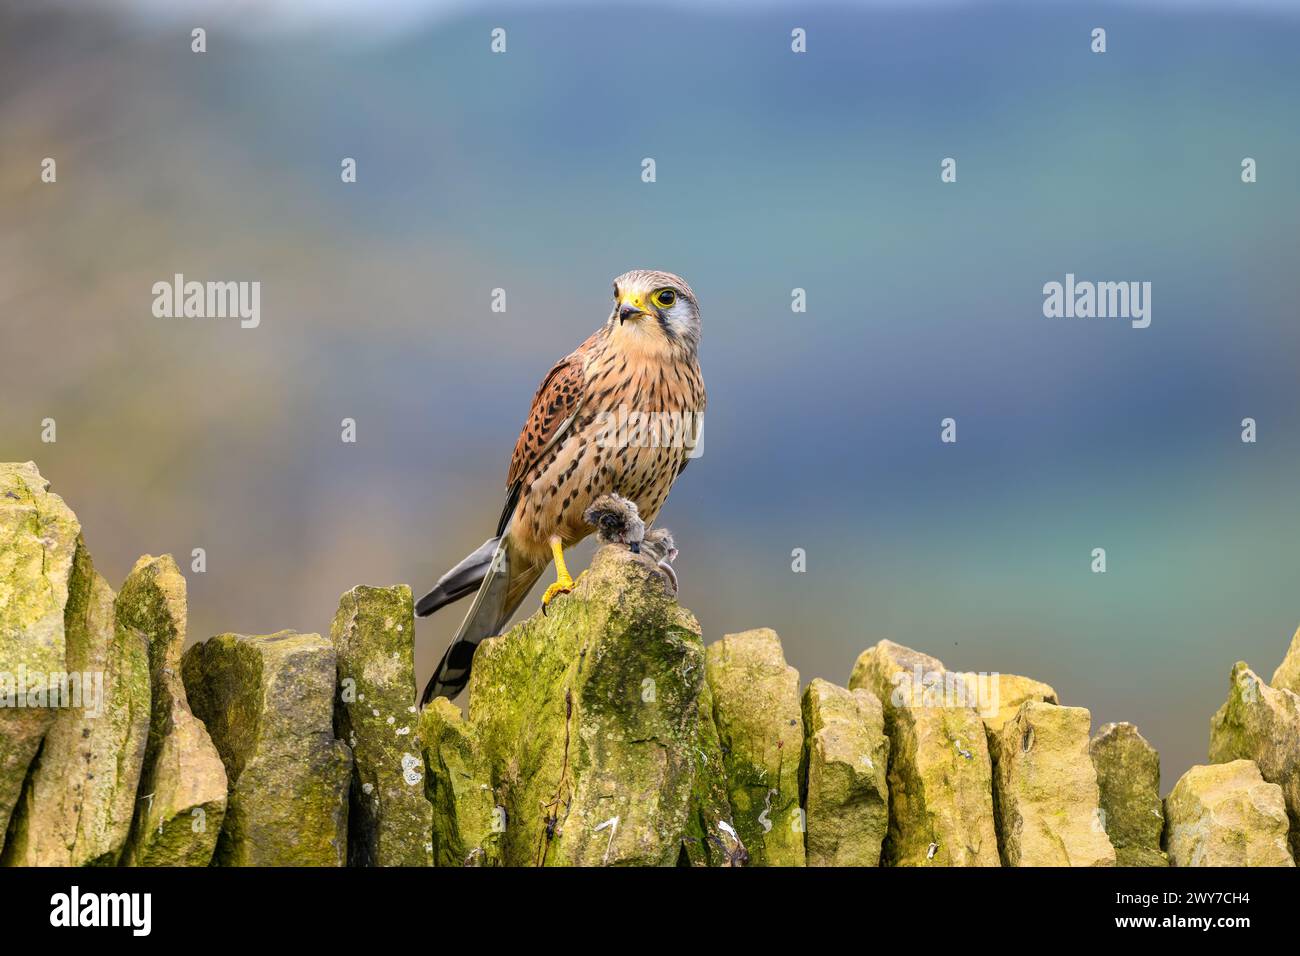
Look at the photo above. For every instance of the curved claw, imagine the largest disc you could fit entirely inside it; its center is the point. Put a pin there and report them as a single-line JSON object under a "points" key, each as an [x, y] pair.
{"points": [[561, 586]]}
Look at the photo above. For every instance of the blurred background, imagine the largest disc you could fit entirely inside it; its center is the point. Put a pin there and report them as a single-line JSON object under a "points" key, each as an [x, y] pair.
{"points": [[775, 171]]}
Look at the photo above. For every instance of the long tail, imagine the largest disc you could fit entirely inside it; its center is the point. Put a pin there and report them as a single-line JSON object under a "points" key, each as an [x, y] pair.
{"points": [[461, 580], [503, 582]]}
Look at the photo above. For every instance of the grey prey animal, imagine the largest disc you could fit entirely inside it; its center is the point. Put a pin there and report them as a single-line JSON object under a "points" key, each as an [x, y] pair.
{"points": [[617, 521]]}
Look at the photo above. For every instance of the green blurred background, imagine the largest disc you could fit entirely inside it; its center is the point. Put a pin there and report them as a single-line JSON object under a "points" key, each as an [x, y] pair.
{"points": [[775, 170]]}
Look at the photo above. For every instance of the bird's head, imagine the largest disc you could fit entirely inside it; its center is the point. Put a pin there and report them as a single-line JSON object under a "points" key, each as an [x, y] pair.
{"points": [[616, 520], [652, 306]]}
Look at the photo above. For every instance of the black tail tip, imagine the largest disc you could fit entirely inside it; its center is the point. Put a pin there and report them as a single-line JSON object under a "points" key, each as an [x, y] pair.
{"points": [[440, 688], [452, 673]]}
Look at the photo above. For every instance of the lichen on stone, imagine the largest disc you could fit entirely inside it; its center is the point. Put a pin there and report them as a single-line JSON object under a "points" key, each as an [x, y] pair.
{"points": [[80, 797], [760, 730], [1226, 815], [1262, 724], [844, 775], [389, 817], [1128, 779], [268, 701], [940, 772], [181, 799], [583, 730], [468, 822], [1046, 798], [38, 540]]}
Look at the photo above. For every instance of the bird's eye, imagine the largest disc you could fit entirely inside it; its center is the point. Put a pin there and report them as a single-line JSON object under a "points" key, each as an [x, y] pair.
{"points": [[664, 298]]}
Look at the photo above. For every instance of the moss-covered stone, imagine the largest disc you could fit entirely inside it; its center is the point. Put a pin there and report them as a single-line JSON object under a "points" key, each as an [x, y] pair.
{"points": [[711, 838], [268, 702], [1287, 675], [38, 540], [940, 772], [1128, 779], [390, 818], [1226, 815], [1261, 723], [760, 729], [80, 798], [1045, 790], [585, 726], [181, 799], [468, 822], [845, 770]]}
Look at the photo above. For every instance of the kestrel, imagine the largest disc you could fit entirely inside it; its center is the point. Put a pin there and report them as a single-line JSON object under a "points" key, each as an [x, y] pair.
{"points": [[620, 414]]}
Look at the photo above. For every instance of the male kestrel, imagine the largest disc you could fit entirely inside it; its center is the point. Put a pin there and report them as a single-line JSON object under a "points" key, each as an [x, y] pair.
{"points": [[620, 414]]}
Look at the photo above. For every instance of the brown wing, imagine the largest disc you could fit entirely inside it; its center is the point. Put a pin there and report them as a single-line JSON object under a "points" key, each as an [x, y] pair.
{"points": [[555, 406]]}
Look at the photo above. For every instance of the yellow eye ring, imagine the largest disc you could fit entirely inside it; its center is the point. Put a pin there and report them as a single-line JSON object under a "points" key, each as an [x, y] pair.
{"points": [[664, 298]]}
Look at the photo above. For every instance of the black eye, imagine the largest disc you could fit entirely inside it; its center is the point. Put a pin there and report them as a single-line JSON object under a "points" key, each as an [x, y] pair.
{"points": [[664, 298]]}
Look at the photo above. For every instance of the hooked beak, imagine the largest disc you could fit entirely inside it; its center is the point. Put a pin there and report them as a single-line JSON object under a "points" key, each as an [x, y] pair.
{"points": [[628, 311]]}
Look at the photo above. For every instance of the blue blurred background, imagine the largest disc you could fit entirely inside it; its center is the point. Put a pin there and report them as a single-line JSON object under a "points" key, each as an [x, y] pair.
{"points": [[775, 171]]}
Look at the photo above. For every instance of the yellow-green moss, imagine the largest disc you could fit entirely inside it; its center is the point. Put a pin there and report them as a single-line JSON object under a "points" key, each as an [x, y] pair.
{"points": [[389, 816], [80, 797], [584, 726], [760, 731], [182, 793], [268, 702], [38, 539], [467, 823]]}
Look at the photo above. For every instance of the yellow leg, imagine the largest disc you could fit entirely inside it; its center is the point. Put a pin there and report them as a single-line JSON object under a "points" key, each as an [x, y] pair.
{"points": [[563, 582]]}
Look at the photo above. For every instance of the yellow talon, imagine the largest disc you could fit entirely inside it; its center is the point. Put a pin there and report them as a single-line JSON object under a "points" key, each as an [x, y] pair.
{"points": [[563, 582]]}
